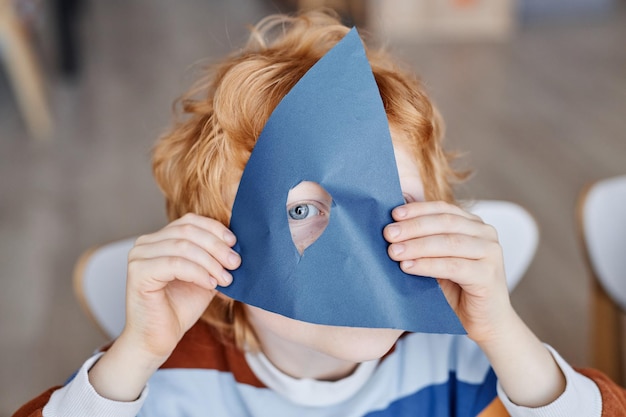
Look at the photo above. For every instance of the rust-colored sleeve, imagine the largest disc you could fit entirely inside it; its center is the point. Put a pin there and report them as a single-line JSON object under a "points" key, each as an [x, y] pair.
{"points": [[34, 407], [613, 396], [495, 409]]}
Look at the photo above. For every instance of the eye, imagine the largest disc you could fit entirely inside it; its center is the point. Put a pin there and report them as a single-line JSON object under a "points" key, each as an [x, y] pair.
{"points": [[303, 211], [308, 213]]}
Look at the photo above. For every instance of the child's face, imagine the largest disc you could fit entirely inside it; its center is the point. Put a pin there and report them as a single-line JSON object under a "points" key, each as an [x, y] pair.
{"points": [[308, 204], [308, 210]]}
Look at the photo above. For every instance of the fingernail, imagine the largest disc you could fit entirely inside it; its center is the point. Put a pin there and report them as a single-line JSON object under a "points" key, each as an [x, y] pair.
{"points": [[393, 231], [229, 237], [407, 264], [234, 258], [397, 248], [400, 212], [227, 277]]}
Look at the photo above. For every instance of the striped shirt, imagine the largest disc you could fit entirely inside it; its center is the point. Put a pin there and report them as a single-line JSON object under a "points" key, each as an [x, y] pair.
{"points": [[426, 375]]}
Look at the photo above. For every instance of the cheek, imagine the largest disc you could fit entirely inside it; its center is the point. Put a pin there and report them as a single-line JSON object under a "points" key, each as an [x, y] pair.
{"points": [[272, 326], [263, 319], [353, 344], [304, 233]]}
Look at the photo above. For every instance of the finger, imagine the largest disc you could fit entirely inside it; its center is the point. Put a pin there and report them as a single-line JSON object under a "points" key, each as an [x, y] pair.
{"points": [[438, 223], [464, 272], [163, 270], [187, 249], [443, 246], [189, 223], [208, 241], [423, 208]]}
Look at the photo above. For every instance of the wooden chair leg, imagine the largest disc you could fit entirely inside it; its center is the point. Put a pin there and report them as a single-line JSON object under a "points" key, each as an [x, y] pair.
{"points": [[606, 335], [24, 73]]}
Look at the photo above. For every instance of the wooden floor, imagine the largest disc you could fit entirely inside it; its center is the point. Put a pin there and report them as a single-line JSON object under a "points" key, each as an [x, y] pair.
{"points": [[539, 117]]}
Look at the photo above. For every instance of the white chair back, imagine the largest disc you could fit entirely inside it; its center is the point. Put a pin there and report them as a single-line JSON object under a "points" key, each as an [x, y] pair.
{"points": [[602, 227], [100, 285], [603, 218], [518, 234]]}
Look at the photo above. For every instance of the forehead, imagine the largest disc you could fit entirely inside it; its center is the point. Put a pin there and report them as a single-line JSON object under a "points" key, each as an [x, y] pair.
{"points": [[406, 161]]}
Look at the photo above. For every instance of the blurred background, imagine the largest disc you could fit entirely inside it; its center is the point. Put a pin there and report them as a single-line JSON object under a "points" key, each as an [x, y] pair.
{"points": [[533, 93]]}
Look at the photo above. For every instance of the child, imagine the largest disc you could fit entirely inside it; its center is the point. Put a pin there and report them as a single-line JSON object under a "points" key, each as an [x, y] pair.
{"points": [[188, 350]]}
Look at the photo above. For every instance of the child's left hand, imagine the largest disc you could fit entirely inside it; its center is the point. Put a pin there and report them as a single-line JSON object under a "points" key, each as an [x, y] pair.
{"points": [[437, 239]]}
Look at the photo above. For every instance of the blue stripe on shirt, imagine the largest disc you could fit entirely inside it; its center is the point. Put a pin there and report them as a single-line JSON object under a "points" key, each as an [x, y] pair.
{"points": [[452, 398]]}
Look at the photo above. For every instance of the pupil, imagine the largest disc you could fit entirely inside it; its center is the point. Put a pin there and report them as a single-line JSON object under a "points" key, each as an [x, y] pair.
{"points": [[299, 212]]}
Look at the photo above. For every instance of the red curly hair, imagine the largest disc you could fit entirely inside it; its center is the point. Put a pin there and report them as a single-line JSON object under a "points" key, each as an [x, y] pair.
{"points": [[198, 163]]}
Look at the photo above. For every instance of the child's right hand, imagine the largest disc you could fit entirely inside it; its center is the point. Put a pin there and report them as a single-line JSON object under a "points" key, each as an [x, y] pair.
{"points": [[172, 276]]}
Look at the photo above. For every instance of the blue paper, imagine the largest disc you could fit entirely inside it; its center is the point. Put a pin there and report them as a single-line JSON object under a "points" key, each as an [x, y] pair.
{"points": [[332, 129]]}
